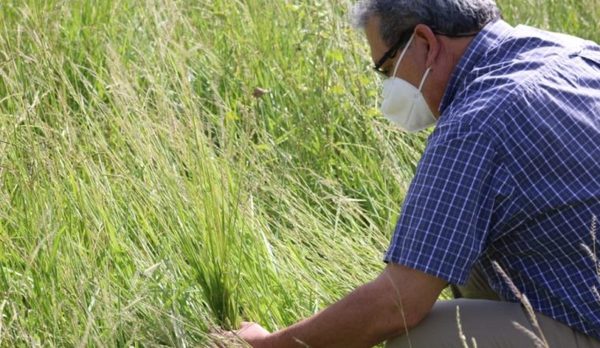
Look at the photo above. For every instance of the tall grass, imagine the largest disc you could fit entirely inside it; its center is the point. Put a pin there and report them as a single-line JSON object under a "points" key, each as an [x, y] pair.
{"points": [[147, 196]]}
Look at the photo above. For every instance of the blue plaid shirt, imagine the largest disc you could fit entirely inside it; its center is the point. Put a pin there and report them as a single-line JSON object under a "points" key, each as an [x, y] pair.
{"points": [[511, 174]]}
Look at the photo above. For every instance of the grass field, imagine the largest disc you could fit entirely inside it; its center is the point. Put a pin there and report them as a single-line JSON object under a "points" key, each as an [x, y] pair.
{"points": [[148, 192]]}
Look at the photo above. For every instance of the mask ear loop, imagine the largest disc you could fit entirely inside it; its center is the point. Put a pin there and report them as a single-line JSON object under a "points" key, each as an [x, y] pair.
{"points": [[424, 78], [402, 55], [420, 89]]}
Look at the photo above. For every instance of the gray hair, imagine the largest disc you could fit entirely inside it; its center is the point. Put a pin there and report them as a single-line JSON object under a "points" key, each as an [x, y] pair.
{"points": [[450, 17]]}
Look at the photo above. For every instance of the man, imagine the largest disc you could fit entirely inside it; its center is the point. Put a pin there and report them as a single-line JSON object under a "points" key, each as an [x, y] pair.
{"points": [[504, 197]]}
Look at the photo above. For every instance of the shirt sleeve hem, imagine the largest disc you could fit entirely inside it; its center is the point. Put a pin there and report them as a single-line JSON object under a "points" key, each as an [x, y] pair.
{"points": [[457, 279]]}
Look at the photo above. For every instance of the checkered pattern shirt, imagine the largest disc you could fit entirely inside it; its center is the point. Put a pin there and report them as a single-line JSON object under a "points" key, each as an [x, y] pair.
{"points": [[511, 174]]}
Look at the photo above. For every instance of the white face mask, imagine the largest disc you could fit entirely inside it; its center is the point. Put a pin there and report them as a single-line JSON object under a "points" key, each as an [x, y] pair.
{"points": [[403, 104]]}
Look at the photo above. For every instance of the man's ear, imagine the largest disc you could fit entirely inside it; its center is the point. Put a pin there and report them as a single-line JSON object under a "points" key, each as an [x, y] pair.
{"points": [[433, 44]]}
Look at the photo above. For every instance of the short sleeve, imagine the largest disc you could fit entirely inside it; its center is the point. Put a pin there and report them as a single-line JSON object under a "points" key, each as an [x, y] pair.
{"points": [[446, 214]]}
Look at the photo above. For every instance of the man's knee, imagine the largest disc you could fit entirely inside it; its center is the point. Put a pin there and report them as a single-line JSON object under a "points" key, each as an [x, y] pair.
{"points": [[490, 323]]}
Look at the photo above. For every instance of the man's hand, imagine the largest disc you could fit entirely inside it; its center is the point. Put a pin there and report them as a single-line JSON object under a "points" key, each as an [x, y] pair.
{"points": [[254, 334]]}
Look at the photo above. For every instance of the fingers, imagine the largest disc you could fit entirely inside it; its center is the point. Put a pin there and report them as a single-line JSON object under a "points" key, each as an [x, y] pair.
{"points": [[246, 325]]}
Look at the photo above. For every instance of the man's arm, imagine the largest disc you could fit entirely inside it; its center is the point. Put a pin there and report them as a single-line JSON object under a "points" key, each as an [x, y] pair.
{"points": [[384, 308]]}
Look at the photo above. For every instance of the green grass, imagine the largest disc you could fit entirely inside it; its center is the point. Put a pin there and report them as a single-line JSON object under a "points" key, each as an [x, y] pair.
{"points": [[146, 196]]}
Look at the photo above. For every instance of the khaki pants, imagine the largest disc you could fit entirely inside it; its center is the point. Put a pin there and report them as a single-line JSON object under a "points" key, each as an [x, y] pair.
{"points": [[488, 320]]}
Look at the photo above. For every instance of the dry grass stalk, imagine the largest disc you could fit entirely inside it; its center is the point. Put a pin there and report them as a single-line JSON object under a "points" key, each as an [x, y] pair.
{"points": [[596, 293], [536, 340], [461, 334], [594, 254], [525, 302]]}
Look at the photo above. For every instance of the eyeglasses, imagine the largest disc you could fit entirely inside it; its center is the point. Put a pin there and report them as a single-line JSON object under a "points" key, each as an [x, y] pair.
{"points": [[392, 51], [404, 37]]}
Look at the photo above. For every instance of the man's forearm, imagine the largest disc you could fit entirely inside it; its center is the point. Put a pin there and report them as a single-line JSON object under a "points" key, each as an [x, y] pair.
{"points": [[397, 300], [367, 316]]}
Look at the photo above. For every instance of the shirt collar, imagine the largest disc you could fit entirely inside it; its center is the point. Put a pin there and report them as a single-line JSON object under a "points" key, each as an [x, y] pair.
{"points": [[487, 38]]}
